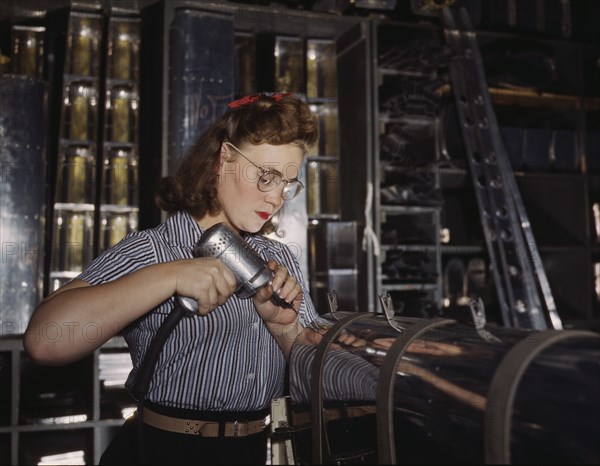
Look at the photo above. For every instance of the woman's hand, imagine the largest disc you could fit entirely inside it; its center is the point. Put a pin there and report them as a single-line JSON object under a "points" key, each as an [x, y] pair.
{"points": [[287, 288], [206, 280], [281, 322]]}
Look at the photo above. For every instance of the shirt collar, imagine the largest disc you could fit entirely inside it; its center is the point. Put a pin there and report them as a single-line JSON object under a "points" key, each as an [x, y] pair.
{"points": [[183, 230]]}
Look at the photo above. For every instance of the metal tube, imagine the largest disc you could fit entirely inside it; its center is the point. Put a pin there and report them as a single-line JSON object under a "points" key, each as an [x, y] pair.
{"points": [[460, 393]]}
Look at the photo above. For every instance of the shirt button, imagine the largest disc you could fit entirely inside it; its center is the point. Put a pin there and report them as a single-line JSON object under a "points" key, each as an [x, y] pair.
{"points": [[255, 325], [250, 376]]}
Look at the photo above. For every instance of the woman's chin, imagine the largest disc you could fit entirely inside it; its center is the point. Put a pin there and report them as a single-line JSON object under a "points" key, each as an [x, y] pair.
{"points": [[253, 227]]}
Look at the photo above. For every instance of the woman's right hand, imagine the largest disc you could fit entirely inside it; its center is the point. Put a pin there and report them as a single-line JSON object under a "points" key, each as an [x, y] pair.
{"points": [[206, 280], [78, 318]]}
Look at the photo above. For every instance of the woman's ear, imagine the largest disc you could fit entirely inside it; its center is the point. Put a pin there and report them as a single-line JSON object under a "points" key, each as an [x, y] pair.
{"points": [[222, 158], [226, 155]]}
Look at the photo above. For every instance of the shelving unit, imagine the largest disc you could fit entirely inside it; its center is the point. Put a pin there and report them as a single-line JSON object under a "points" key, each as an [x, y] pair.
{"points": [[75, 39], [411, 92], [544, 131], [69, 413], [72, 405], [119, 196], [407, 202], [94, 135]]}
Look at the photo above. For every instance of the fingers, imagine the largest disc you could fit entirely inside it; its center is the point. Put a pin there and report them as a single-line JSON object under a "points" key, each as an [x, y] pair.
{"points": [[208, 301], [208, 281], [220, 285], [284, 284], [211, 283], [348, 339]]}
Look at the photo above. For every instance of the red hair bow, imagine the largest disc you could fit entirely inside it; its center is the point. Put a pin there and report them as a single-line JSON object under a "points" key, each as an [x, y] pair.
{"points": [[248, 99]]}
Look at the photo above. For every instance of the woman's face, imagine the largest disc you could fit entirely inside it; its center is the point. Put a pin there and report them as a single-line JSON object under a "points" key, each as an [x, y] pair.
{"points": [[244, 206]]}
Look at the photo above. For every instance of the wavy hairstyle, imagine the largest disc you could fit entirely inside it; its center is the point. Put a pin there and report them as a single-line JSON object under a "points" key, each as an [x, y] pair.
{"points": [[258, 119]]}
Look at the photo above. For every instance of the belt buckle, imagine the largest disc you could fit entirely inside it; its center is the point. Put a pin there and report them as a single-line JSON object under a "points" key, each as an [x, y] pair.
{"points": [[236, 428]]}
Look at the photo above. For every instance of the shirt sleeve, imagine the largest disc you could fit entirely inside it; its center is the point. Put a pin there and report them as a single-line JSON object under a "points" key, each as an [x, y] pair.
{"points": [[132, 253]]}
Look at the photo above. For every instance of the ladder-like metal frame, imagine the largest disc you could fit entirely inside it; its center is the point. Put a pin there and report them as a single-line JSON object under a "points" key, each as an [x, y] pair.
{"points": [[517, 267]]}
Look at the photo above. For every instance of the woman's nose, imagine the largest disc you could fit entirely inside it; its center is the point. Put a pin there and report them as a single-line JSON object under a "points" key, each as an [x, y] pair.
{"points": [[274, 197]]}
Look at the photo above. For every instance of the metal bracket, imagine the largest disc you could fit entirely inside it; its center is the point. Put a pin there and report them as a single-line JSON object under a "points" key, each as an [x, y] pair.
{"points": [[478, 313], [388, 308], [333, 304]]}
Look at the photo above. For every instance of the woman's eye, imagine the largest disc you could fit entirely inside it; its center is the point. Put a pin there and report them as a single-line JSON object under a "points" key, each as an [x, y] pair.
{"points": [[269, 178]]}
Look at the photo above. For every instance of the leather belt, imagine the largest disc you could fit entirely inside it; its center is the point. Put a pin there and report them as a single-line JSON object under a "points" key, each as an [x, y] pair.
{"points": [[203, 428]]}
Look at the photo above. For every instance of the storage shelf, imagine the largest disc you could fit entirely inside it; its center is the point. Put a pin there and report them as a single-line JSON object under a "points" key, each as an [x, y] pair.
{"points": [[406, 120], [467, 249], [409, 247], [74, 207], [407, 73], [408, 209], [409, 286], [555, 200], [89, 395], [528, 98], [118, 208], [61, 427]]}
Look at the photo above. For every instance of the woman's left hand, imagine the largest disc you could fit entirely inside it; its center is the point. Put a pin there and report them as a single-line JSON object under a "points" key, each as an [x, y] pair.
{"points": [[288, 289]]}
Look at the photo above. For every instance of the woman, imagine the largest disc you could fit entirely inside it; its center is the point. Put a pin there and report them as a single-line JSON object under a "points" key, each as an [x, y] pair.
{"points": [[220, 369]]}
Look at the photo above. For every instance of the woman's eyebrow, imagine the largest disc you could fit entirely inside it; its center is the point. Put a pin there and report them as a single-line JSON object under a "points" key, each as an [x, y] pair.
{"points": [[271, 169], [266, 166], [277, 172]]}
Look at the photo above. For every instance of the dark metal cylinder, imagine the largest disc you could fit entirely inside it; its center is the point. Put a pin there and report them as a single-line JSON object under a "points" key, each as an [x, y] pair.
{"points": [[445, 391]]}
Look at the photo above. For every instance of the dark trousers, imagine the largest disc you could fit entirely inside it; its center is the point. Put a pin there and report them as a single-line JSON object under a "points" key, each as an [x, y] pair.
{"points": [[137, 443]]}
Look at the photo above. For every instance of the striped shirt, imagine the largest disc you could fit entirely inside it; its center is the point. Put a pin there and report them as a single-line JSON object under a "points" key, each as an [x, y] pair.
{"points": [[346, 376], [225, 361]]}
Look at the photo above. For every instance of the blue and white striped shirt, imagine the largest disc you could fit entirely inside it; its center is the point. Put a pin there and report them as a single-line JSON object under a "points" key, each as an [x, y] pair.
{"points": [[225, 361]]}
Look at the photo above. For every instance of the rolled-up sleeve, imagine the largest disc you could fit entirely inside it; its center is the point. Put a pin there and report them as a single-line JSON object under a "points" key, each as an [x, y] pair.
{"points": [[132, 253]]}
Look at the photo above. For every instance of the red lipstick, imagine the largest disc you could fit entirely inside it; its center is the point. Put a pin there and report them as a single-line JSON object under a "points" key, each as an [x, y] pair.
{"points": [[264, 215]]}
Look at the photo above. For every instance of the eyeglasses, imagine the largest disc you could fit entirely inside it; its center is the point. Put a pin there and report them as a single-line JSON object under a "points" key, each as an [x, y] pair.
{"points": [[269, 179]]}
